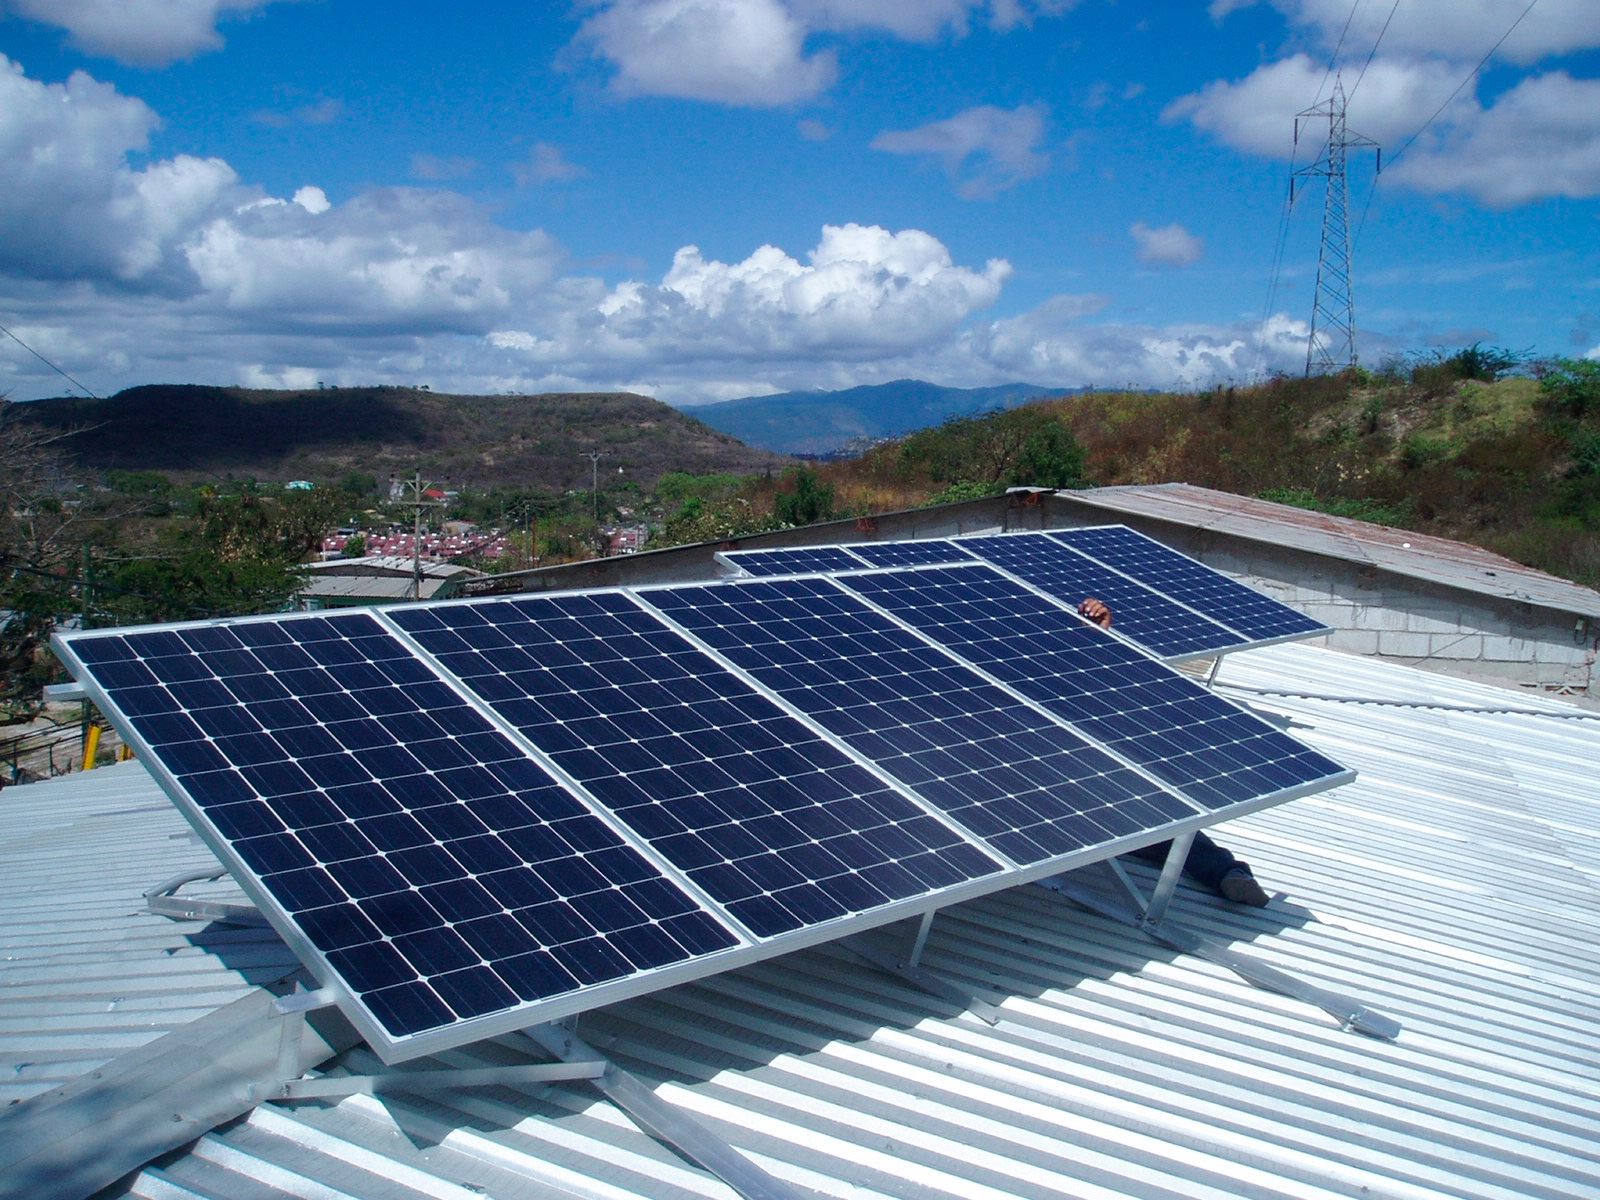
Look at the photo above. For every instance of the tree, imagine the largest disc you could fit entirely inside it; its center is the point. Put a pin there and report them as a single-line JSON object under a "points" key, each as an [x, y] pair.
{"points": [[1050, 457], [810, 503], [241, 553], [1571, 386], [1017, 447], [42, 525]]}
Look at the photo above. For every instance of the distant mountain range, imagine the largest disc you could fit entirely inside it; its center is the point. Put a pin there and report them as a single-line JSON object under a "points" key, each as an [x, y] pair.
{"points": [[830, 424]]}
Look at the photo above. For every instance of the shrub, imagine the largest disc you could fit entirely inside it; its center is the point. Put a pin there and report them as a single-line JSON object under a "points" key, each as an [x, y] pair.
{"points": [[1420, 450], [1571, 386]]}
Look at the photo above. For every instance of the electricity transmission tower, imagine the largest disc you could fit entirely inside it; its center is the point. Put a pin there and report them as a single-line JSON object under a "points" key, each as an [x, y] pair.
{"points": [[1332, 344]]}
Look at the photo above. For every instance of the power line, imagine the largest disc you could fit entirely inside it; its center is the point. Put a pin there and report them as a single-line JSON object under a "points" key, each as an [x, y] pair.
{"points": [[1371, 54], [48, 363], [1469, 77], [1333, 59]]}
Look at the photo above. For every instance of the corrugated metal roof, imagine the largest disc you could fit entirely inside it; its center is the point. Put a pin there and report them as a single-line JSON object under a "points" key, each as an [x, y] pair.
{"points": [[390, 563], [1417, 555], [86, 971], [368, 587], [1454, 886]]}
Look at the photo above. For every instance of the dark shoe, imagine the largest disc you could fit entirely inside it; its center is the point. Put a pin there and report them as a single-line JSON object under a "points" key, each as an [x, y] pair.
{"points": [[1241, 887]]}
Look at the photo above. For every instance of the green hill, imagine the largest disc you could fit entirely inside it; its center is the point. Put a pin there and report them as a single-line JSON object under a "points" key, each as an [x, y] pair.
{"points": [[193, 432]]}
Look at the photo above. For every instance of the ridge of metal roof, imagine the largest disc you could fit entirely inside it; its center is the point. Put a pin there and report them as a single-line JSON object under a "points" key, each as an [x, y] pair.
{"points": [[391, 562], [1415, 555], [1455, 885]]}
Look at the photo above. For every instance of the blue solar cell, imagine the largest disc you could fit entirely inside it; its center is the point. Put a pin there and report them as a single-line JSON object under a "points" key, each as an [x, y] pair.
{"points": [[1213, 751], [932, 552], [1161, 625], [795, 560], [1256, 617], [775, 824], [1000, 768], [409, 841]]}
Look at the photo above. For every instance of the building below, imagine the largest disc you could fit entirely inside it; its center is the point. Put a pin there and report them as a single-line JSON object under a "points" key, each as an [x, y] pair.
{"points": [[1406, 597], [379, 579]]}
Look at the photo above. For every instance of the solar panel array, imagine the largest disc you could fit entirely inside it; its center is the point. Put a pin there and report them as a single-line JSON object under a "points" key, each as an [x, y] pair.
{"points": [[1163, 601], [1214, 751], [1002, 769], [472, 816], [797, 560], [437, 872], [1160, 624], [778, 826], [1259, 618]]}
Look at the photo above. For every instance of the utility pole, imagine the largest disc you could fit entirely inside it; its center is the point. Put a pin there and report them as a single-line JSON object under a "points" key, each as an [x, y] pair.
{"points": [[1332, 344], [417, 504], [594, 457]]}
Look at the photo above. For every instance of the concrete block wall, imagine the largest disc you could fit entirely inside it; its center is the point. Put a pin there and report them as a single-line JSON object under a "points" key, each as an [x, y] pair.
{"points": [[1410, 620]]}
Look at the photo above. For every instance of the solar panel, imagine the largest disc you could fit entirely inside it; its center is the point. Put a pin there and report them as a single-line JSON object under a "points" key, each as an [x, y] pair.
{"points": [[1003, 769], [933, 551], [1258, 618], [1210, 749], [775, 823], [797, 560], [399, 840], [1155, 621]]}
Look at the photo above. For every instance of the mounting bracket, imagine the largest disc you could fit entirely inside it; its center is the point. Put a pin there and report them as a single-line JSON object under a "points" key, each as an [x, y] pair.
{"points": [[1351, 1013], [662, 1120], [910, 969], [164, 900]]}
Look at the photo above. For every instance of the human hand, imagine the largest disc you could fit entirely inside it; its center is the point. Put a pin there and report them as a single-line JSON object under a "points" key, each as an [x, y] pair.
{"points": [[1096, 611]]}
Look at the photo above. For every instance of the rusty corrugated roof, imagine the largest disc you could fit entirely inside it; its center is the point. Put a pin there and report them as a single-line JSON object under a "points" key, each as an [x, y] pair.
{"points": [[1417, 555]]}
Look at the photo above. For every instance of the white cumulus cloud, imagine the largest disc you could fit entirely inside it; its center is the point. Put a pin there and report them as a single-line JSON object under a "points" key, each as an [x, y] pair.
{"points": [[390, 259], [73, 206], [1168, 246], [755, 52], [923, 20], [745, 52], [986, 150], [1538, 140], [863, 293], [1257, 113], [1053, 343], [145, 33]]}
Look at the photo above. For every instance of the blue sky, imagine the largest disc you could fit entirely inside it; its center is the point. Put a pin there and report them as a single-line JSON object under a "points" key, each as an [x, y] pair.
{"points": [[703, 199]]}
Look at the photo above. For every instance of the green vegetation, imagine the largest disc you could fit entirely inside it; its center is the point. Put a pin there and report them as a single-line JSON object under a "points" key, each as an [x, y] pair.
{"points": [[1363, 509], [811, 502], [1478, 445]]}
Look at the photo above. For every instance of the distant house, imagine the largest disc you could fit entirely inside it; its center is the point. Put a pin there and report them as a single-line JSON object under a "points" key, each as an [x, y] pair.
{"points": [[378, 579], [629, 539]]}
